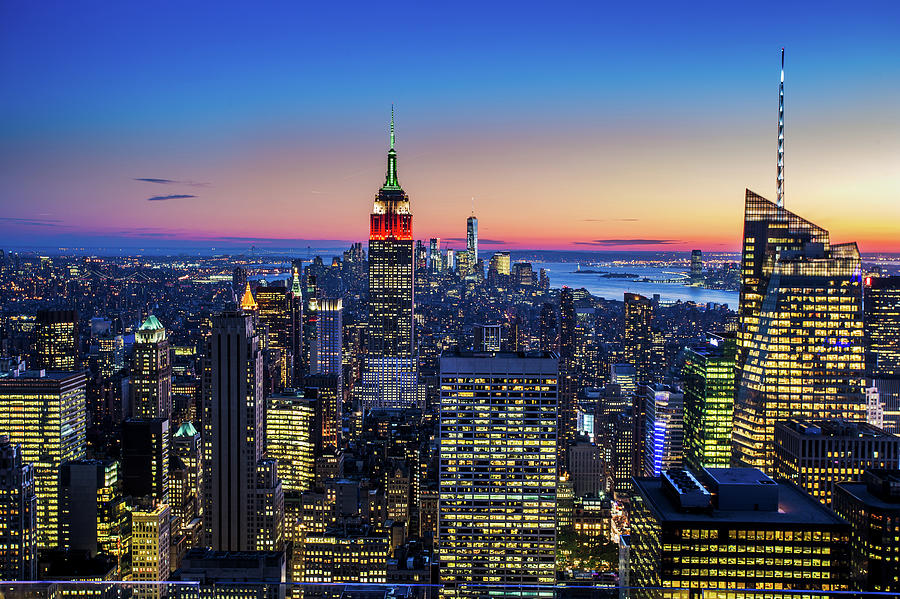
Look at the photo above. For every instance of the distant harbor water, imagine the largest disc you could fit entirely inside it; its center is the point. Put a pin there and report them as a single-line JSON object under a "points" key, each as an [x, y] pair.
{"points": [[614, 288]]}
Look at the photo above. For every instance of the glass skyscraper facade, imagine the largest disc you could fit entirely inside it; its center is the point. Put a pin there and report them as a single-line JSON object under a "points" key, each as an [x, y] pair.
{"points": [[801, 332], [709, 403]]}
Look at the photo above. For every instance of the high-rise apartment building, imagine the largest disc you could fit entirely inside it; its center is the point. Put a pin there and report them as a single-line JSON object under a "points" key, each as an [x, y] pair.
{"points": [[872, 507], [801, 331], [638, 334], [708, 375], [390, 378], [151, 374], [56, 342], [18, 511], [233, 437], [729, 529], [498, 476], [818, 454], [435, 263], [44, 413]]}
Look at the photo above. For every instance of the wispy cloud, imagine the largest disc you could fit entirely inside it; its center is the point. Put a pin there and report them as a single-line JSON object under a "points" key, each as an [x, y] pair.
{"points": [[606, 242], [171, 181], [32, 222], [177, 196]]}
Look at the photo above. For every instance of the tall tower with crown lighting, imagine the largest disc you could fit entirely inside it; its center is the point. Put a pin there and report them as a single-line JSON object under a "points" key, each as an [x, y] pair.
{"points": [[389, 379]]}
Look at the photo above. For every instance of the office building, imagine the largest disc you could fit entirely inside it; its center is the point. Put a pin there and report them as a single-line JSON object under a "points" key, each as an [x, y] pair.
{"points": [[238, 280], [56, 340], [310, 344], [549, 329], [708, 375], [625, 376], [872, 507], [18, 512], [145, 458], [93, 515], [296, 345], [150, 547], [488, 337], [472, 238], [151, 373], [330, 339], [186, 481], [585, 466], [44, 413], [498, 476], [434, 255], [110, 355], [818, 454], [500, 262], [664, 438], [696, 267], [345, 555], [730, 529], [568, 377], [881, 302], [292, 428], [268, 518], [802, 330], [233, 438], [638, 335], [389, 379], [232, 574], [275, 317]]}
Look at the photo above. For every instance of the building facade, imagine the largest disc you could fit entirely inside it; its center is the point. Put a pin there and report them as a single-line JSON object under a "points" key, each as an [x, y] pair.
{"points": [[498, 476]]}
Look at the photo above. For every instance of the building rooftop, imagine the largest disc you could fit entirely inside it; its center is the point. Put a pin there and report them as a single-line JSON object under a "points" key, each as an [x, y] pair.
{"points": [[834, 428], [794, 507]]}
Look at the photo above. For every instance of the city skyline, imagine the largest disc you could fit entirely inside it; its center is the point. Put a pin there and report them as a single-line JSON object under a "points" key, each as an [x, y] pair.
{"points": [[198, 152]]}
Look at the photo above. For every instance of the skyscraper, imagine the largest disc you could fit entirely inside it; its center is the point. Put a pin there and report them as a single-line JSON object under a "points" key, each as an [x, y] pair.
{"points": [[472, 238], [151, 376], [567, 376], [389, 379], [708, 374], [330, 338], [93, 516], [802, 330], [275, 315], [638, 334], [498, 477], [186, 481], [881, 301], [296, 342], [769, 231], [882, 315], [145, 458], [292, 433], [57, 340], [150, 547], [233, 436], [696, 267], [44, 413], [18, 509], [664, 434]]}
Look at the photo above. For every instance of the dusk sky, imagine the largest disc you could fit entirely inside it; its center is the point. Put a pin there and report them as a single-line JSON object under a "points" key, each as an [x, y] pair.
{"points": [[575, 126]]}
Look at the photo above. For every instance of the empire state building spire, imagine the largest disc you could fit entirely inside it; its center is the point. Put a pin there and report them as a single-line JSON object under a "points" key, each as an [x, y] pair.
{"points": [[779, 189], [390, 179]]}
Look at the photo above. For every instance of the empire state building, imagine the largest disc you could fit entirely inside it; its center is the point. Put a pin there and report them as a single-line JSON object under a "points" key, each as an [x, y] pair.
{"points": [[389, 378]]}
